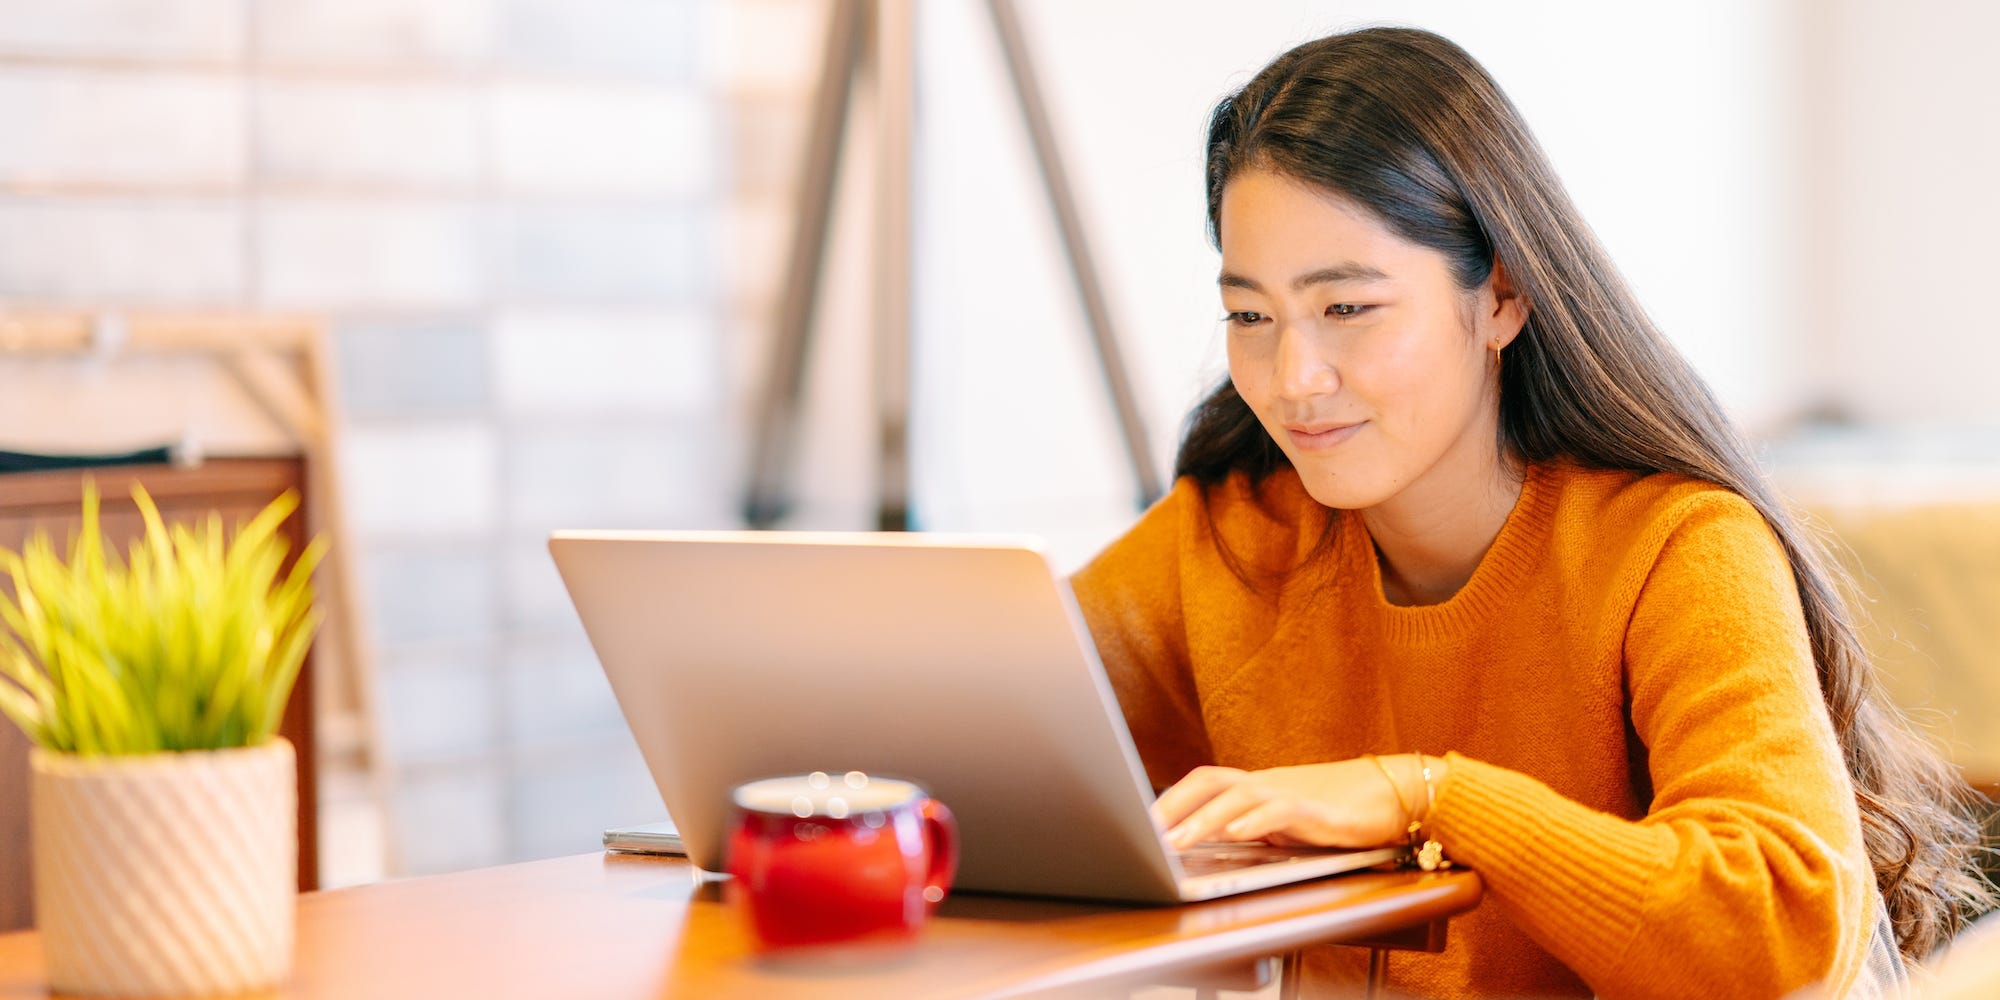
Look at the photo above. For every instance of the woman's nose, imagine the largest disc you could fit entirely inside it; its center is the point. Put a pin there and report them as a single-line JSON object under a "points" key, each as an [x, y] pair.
{"points": [[1304, 370]]}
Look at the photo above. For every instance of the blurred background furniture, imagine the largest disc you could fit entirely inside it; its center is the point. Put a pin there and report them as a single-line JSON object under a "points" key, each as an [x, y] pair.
{"points": [[243, 405], [1928, 576]]}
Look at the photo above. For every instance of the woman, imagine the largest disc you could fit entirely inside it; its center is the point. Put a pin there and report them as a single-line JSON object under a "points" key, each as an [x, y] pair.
{"points": [[1464, 552]]}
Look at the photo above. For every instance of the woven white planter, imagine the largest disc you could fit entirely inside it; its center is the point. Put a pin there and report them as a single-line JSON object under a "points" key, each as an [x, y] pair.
{"points": [[167, 874]]}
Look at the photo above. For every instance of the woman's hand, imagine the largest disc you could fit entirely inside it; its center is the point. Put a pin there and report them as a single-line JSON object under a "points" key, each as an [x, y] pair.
{"points": [[1347, 803]]}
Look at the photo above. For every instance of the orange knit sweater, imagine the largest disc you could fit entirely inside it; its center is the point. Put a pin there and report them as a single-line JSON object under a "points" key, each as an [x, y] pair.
{"points": [[1642, 769]]}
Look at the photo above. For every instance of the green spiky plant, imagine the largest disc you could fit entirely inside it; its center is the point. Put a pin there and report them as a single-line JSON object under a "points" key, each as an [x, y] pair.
{"points": [[192, 643]]}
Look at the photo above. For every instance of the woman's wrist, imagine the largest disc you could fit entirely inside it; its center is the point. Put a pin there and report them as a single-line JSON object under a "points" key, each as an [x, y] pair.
{"points": [[1410, 781], [1433, 781], [1429, 853]]}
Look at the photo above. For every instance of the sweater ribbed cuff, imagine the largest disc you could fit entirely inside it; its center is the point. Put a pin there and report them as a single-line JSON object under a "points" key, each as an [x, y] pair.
{"points": [[1576, 877]]}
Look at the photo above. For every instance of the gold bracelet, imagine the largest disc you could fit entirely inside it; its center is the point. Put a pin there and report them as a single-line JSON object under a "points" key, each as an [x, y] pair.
{"points": [[1430, 857], [1411, 825]]}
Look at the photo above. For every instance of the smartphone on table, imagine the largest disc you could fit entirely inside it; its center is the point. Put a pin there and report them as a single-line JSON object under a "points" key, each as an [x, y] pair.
{"points": [[647, 838]]}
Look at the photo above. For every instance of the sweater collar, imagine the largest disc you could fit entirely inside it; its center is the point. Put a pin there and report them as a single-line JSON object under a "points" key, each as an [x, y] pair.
{"points": [[1495, 583]]}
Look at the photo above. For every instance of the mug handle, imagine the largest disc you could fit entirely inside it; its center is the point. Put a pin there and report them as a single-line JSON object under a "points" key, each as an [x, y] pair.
{"points": [[942, 831]]}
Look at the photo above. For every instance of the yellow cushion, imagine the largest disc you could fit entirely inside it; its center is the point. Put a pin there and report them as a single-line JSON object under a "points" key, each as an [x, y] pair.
{"points": [[1929, 578]]}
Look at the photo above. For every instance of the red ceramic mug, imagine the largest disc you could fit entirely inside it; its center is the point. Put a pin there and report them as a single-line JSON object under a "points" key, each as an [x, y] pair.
{"points": [[821, 859]]}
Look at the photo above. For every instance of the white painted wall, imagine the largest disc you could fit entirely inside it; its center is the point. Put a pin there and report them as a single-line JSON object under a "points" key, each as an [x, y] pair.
{"points": [[1904, 109]]}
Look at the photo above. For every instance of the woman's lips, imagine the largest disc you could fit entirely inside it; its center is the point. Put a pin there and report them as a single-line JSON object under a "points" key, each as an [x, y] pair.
{"points": [[1321, 437]]}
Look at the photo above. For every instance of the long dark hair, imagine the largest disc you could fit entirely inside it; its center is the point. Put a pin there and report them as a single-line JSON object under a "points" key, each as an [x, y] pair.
{"points": [[1408, 124]]}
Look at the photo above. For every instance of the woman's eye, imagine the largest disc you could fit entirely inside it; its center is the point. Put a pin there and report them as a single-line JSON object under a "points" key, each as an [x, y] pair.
{"points": [[1245, 318], [1345, 310]]}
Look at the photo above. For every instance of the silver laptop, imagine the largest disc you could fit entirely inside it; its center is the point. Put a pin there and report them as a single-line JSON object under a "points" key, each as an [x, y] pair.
{"points": [[959, 662]]}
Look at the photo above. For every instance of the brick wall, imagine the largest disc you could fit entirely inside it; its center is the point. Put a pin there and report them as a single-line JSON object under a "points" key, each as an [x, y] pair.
{"points": [[508, 211]]}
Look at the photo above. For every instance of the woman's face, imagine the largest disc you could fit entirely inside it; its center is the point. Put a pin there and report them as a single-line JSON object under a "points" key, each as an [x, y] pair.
{"points": [[1357, 350]]}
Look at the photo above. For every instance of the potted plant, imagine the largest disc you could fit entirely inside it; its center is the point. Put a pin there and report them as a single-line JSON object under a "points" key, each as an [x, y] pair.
{"points": [[163, 805]]}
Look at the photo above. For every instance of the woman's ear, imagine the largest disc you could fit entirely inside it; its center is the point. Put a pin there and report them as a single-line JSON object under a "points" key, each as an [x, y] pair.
{"points": [[1506, 311]]}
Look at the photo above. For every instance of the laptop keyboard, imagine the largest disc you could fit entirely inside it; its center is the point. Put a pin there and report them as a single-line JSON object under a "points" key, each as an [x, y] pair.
{"points": [[1208, 859]]}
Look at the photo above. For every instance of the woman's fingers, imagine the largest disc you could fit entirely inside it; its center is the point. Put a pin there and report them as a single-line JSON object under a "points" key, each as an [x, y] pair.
{"points": [[1276, 820], [1334, 804], [1191, 792], [1207, 822]]}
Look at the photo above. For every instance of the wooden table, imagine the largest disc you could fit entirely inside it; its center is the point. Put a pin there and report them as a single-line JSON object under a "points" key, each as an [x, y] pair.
{"points": [[619, 926]]}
